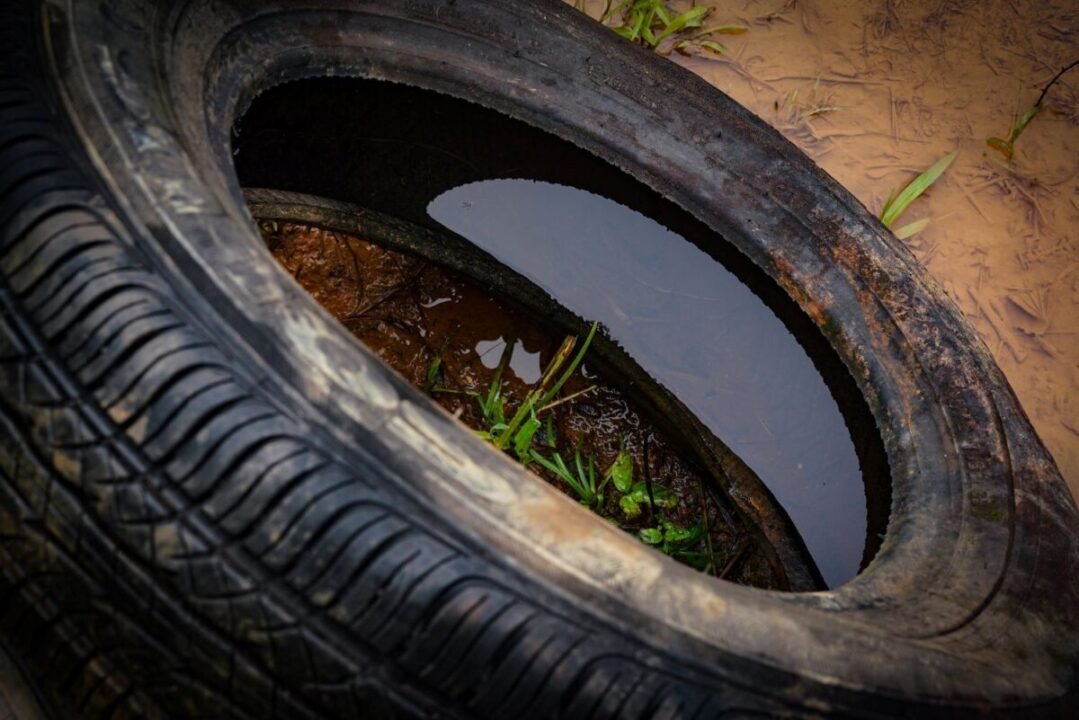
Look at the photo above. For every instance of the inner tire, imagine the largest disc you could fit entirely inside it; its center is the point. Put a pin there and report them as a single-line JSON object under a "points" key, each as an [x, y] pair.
{"points": [[213, 503]]}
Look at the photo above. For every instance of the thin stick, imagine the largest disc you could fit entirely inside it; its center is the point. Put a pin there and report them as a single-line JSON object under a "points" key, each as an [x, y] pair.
{"points": [[357, 273], [566, 399], [503, 361], [648, 480], [395, 290], [707, 525], [734, 560], [1053, 81]]}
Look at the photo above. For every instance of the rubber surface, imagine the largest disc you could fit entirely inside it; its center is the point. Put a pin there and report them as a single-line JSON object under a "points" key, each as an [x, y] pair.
{"points": [[18, 700], [214, 504]]}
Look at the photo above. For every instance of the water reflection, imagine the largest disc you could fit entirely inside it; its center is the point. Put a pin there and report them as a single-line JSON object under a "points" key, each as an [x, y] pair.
{"points": [[525, 365], [694, 327]]}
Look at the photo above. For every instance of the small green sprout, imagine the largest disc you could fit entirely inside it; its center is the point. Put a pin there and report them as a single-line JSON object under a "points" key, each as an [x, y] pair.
{"points": [[434, 370], [631, 502], [671, 539], [621, 470], [1019, 124]]}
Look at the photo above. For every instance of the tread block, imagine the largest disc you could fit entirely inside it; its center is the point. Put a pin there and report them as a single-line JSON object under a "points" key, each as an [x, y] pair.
{"points": [[165, 428], [300, 518], [482, 654], [284, 502], [379, 608], [128, 343], [268, 491], [91, 333], [237, 454], [95, 284], [166, 383], [33, 185], [24, 241], [522, 673], [348, 569], [61, 262], [328, 543], [263, 461]]}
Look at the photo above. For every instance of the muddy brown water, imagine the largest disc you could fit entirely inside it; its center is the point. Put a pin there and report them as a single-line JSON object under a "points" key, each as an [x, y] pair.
{"points": [[409, 312], [689, 307]]}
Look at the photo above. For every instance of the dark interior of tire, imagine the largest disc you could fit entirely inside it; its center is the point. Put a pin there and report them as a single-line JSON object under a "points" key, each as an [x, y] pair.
{"points": [[460, 359]]}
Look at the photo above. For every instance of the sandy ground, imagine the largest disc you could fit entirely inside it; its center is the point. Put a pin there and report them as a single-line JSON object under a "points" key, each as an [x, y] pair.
{"points": [[876, 91]]}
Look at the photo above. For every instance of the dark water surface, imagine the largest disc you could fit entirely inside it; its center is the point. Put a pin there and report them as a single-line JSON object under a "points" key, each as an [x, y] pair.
{"points": [[694, 327]]}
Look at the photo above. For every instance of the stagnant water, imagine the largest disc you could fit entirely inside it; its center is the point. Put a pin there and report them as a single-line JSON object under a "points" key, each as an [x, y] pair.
{"points": [[664, 284], [695, 328], [412, 313]]}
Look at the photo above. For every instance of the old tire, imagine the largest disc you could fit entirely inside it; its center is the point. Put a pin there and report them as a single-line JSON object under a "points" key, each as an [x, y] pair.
{"points": [[211, 499]]}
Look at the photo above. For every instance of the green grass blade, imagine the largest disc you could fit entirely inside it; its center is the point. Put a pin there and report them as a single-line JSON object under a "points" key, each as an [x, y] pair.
{"points": [[572, 368], [689, 19], [551, 467], [612, 10], [432, 372], [535, 397], [635, 29], [549, 433], [562, 469], [522, 440], [645, 22], [912, 228], [661, 12], [714, 46], [724, 30], [580, 468], [576, 482], [495, 391], [568, 398], [916, 187], [1022, 122]]}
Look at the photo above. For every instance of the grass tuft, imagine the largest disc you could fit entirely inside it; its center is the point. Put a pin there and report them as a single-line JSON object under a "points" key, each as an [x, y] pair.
{"points": [[529, 435], [653, 24], [1020, 122]]}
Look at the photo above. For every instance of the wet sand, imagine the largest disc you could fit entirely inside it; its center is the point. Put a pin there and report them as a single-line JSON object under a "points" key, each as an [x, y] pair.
{"points": [[877, 91]]}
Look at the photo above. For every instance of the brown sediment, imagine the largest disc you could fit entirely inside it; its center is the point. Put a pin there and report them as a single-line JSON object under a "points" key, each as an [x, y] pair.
{"points": [[410, 312], [906, 83]]}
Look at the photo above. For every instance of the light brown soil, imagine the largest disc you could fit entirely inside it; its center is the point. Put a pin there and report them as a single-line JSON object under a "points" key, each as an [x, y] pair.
{"points": [[913, 80], [409, 312]]}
